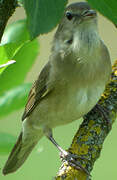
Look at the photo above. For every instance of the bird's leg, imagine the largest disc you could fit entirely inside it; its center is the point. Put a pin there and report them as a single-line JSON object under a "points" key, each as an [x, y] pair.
{"points": [[68, 157]]}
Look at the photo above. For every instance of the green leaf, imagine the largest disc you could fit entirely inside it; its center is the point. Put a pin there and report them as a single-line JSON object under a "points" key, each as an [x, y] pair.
{"points": [[17, 46], [14, 36], [15, 75], [14, 99], [7, 51], [16, 32], [20, 49], [43, 15], [6, 143], [106, 7]]}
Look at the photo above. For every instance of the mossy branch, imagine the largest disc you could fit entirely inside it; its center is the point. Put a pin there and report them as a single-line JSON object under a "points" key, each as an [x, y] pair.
{"points": [[89, 139], [7, 8]]}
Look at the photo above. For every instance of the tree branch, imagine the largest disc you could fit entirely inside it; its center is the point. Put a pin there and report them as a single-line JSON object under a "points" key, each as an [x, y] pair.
{"points": [[7, 8], [89, 139]]}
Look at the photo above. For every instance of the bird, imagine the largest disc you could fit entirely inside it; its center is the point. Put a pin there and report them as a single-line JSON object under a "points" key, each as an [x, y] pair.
{"points": [[69, 85]]}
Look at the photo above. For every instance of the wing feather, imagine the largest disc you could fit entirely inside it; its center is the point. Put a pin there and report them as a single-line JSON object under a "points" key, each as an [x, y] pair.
{"points": [[38, 91]]}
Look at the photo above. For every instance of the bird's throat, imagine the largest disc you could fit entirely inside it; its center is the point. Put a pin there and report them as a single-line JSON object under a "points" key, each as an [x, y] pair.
{"points": [[86, 39]]}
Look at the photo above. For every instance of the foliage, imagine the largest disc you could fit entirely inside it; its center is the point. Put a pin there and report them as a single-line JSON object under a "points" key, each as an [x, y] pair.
{"points": [[17, 44], [107, 8], [43, 15]]}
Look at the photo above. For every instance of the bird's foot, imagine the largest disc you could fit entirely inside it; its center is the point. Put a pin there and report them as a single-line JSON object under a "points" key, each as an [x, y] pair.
{"points": [[72, 160]]}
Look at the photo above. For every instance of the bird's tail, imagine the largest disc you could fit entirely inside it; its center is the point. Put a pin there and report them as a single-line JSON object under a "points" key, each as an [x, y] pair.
{"points": [[20, 152]]}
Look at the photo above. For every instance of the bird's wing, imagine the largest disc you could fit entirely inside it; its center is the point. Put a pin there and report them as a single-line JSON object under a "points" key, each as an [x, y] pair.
{"points": [[38, 91]]}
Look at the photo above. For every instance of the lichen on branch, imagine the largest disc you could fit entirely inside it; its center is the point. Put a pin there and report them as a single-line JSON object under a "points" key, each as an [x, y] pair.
{"points": [[89, 139]]}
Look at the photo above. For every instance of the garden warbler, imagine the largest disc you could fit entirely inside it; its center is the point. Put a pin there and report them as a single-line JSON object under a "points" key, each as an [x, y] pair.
{"points": [[69, 85]]}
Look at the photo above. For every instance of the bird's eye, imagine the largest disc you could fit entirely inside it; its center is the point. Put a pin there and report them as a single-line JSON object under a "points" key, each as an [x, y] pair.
{"points": [[69, 41], [69, 15]]}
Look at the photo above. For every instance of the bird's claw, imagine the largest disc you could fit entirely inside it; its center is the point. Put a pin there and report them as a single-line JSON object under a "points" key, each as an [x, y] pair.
{"points": [[72, 160]]}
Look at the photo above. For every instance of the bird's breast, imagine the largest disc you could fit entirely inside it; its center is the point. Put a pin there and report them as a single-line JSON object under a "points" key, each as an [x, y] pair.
{"points": [[76, 103]]}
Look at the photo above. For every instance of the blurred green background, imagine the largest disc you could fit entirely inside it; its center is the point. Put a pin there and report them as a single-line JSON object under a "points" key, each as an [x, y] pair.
{"points": [[44, 162]]}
